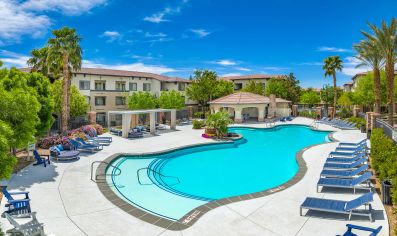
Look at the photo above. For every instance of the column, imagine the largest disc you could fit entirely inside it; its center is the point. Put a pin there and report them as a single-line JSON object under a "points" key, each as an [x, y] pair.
{"points": [[92, 117], [126, 125], [369, 120], [173, 120], [261, 114], [152, 122], [294, 110], [373, 118], [331, 111], [356, 110], [237, 116], [272, 106]]}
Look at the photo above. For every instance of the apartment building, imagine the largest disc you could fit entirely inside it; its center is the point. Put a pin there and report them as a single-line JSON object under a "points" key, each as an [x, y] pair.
{"points": [[357, 77], [242, 80], [108, 89]]}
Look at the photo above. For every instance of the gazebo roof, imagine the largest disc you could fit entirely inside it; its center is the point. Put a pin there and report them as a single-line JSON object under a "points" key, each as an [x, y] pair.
{"points": [[245, 98]]}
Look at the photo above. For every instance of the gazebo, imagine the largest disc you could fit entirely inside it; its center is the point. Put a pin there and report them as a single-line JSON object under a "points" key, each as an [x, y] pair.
{"points": [[126, 119], [244, 104]]}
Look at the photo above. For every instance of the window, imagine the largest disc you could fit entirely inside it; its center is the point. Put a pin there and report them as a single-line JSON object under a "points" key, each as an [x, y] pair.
{"points": [[101, 118], [100, 101], [238, 86], [146, 86], [100, 85], [120, 86], [84, 85], [181, 86], [132, 86], [162, 87], [120, 101]]}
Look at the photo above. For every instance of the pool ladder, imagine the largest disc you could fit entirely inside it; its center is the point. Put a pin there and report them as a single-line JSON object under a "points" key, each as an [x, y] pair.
{"points": [[314, 125], [103, 174], [155, 172]]}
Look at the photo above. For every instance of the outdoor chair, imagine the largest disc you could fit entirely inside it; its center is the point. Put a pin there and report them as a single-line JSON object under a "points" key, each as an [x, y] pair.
{"points": [[40, 160], [345, 159], [60, 154], [17, 206], [85, 148], [360, 182], [345, 166], [373, 232], [338, 206], [364, 141], [30, 228], [343, 173], [95, 135]]}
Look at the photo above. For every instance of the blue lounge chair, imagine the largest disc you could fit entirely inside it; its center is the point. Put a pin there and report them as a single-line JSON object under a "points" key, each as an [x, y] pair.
{"points": [[343, 173], [362, 142], [16, 206], [346, 153], [350, 227], [96, 140], [356, 183], [134, 133], [345, 159], [40, 160], [85, 148], [95, 135], [115, 131], [60, 154], [338, 206], [345, 166], [95, 144], [351, 149]]}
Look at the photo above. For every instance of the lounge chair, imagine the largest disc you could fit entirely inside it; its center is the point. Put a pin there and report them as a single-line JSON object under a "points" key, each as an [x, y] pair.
{"points": [[115, 131], [95, 135], [345, 166], [350, 227], [364, 141], [30, 228], [354, 184], [345, 159], [95, 144], [60, 154], [85, 148], [134, 133], [350, 149], [97, 141], [40, 160], [346, 153], [17, 206], [338, 206], [344, 173]]}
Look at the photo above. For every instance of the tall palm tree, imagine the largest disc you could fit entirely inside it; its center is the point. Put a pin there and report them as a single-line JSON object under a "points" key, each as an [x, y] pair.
{"points": [[331, 65], [39, 63], [386, 38], [370, 55], [64, 49]]}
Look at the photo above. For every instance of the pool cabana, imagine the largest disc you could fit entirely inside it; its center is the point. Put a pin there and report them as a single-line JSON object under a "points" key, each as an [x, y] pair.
{"points": [[245, 104], [126, 119]]}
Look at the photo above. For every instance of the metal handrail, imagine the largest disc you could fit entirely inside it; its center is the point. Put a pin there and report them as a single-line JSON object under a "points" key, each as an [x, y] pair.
{"points": [[149, 169], [96, 176]]}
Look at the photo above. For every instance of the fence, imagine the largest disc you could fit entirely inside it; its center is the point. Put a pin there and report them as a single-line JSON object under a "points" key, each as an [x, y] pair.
{"points": [[388, 130], [74, 123], [362, 115]]}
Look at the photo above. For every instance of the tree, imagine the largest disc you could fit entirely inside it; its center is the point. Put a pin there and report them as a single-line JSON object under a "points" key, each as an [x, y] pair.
{"points": [[287, 88], [293, 88], [223, 88], [386, 39], [142, 100], [7, 161], [40, 63], [345, 100], [277, 87], [370, 55], [331, 65], [78, 102], [327, 94], [219, 121], [254, 87], [64, 49], [171, 100], [203, 87], [310, 97]]}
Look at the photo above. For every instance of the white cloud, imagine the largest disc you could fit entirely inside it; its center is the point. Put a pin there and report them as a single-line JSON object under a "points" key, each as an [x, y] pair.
{"points": [[157, 69], [16, 22], [350, 66], [201, 32], [160, 16], [158, 35], [111, 36], [11, 59], [310, 64], [225, 62], [68, 7], [332, 49], [275, 68], [230, 74], [243, 69]]}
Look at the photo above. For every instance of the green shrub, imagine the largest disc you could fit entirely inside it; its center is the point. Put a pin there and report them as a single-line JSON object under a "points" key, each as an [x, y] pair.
{"points": [[198, 115], [308, 114], [198, 124], [358, 121], [344, 113]]}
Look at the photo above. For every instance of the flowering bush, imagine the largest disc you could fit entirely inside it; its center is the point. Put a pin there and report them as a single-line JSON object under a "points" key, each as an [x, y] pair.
{"points": [[50, 141]]}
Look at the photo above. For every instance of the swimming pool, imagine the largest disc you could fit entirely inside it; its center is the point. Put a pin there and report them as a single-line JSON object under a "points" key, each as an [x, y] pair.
{"points": [[174, 183]]}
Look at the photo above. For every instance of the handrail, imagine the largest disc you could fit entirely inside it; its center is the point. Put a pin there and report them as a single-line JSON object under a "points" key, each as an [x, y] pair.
{"points": [[149, 169], [96, 176]]}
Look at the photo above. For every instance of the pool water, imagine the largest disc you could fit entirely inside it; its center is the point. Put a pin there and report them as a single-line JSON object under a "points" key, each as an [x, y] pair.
{"points": [[173, 183]]}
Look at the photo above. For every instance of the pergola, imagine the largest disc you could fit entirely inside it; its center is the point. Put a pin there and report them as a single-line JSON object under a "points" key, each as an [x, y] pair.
{"points": [[126, 119], [237, 102]]}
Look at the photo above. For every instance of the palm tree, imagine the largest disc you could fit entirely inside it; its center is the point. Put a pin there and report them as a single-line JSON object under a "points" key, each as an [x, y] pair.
{"points": [[39, 63], [65, 50], [386, 38], [370, 55], [331, 65]]}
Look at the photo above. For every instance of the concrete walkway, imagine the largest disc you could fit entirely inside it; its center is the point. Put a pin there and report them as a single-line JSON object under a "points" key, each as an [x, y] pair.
{"points": [[68, 203]]}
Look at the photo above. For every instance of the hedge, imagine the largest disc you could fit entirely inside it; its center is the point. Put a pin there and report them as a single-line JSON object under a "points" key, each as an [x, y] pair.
{"points": [[384, 158]]}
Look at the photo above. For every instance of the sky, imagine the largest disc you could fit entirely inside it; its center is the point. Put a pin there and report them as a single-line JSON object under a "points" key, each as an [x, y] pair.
{"points": [[178, 36]]}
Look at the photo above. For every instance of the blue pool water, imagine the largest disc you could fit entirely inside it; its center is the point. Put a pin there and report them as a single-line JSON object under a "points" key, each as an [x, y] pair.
{"points": [[173, 183]]}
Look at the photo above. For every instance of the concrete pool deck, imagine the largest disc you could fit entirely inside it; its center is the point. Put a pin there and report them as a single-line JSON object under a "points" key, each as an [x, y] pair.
{"points": [[69, 203]]}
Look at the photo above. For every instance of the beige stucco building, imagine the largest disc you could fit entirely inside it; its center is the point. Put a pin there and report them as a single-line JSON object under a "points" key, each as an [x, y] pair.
{"points": [[242, 106], [241, 81]]}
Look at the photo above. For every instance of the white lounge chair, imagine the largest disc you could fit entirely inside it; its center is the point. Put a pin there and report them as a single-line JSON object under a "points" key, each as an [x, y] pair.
{"points": [[30, 228]]}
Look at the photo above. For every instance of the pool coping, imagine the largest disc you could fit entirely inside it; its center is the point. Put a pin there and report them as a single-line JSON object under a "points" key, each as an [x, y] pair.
{"points": [[191, 217]]}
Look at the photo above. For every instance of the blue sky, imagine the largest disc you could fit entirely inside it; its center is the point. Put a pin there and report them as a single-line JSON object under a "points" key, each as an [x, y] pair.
{"points": [[175, 37]]}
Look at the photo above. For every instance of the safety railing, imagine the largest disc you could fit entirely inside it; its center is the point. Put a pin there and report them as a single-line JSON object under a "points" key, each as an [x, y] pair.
{"points": [[103, 174], [155, 172]]}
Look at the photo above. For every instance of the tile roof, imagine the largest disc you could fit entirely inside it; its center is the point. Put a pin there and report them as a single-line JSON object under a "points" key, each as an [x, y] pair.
{"points": [[245, 98], [253, 76]]}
